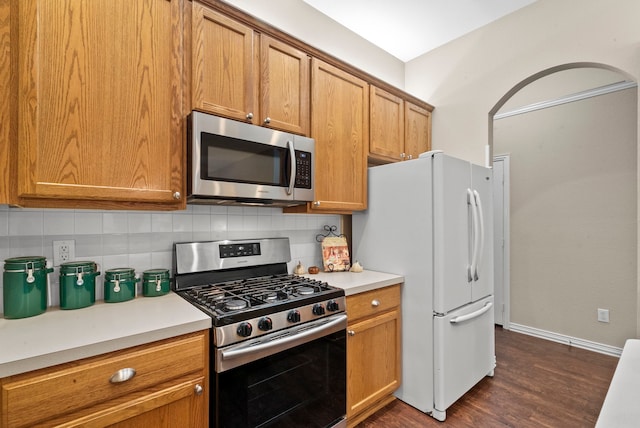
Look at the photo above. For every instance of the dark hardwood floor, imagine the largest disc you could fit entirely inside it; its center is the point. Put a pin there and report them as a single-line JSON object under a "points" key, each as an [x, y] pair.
{"points": [[537, 383]]}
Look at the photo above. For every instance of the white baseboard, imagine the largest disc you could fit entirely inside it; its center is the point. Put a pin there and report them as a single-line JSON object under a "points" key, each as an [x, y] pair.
{"points": [[567, 340]]}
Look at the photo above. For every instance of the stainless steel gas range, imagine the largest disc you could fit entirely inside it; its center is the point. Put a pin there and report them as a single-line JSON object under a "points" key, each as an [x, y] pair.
{"points": [[278, 351]]}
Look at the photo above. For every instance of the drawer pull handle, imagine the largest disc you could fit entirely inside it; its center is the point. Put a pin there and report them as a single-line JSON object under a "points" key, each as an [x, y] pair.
{"points": [[351, 333], [122, 375], [198, 389], [375, 303]]}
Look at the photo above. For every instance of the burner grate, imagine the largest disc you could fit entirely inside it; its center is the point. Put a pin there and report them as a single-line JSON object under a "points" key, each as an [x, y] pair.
{"points": [[240, 295]]}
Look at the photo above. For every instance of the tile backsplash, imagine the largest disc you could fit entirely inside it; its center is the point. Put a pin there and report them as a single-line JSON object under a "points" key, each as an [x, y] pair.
{"points": [[144, 240]]}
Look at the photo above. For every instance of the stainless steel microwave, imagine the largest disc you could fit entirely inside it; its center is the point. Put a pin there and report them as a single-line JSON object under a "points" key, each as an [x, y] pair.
{"points": [[231, 162]]}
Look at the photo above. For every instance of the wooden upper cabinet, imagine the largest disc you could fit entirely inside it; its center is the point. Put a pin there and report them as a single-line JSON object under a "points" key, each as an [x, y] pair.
{"points": [[417, 131], [284, 86], [243, 75], [100, 104], [386, 124], [224, 65], [400, 129], [7, 108], [340, 127]]}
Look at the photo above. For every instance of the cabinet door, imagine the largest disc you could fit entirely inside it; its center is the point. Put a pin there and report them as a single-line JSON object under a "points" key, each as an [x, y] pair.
{"points": [[386, 125], [7, 111], [100, 101], [177, 406], [373, 360], [224, 66], [417, 130], [340, 126], [284, 80]]}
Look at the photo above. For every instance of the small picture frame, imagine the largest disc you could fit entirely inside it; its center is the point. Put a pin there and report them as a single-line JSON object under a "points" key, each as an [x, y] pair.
{"points": [[335, 254]]}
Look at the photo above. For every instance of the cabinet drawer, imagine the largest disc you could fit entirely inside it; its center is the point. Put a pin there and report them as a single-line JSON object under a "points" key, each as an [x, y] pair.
{"points": [[39, 395], [372, 302]]}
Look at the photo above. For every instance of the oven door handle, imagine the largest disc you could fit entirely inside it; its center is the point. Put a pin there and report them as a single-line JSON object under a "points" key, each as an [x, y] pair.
{"points": [[234, 357]]}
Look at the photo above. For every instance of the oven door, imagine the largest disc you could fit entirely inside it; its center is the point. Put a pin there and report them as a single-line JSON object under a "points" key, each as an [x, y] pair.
{"points": [[296, 379]]}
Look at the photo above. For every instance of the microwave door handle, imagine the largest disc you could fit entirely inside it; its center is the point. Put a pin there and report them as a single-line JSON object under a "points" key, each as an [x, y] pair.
{"points": [[292, 156]]}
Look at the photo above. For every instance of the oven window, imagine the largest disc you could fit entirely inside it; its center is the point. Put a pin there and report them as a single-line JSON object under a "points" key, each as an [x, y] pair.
{"points": [[301, 387], [229, 159]]}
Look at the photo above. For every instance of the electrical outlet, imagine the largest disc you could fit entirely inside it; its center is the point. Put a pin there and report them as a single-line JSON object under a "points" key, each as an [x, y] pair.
{"points": [[603, 315], [63, 251]]}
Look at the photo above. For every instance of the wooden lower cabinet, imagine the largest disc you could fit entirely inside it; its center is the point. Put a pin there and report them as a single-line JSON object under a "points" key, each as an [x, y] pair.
{"points": [[170, 388], [373, 351]]}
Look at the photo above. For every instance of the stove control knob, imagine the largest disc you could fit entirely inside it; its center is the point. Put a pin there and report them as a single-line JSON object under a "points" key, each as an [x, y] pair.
{"points": [[244, 329], [265, 324], [318, 309], [293, 316], [333, 306]]}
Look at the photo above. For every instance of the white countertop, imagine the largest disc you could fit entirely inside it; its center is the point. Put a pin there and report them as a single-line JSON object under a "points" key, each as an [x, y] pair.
{"points": [[354, 283], [620, 408], [58, 336]]}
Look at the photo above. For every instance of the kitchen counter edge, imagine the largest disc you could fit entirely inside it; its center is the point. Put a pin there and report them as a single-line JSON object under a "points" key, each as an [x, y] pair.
{"points": [[60, 336], [357, 282]]}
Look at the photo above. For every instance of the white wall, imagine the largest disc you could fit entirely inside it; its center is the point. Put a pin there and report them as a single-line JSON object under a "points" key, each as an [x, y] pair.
{"points": [[573, 216], [467, 77], [305, 23]]}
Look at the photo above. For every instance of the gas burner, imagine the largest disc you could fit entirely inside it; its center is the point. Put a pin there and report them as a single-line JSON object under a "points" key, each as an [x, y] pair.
{"points": [[235, 304], [305, 290], [271, 296]]}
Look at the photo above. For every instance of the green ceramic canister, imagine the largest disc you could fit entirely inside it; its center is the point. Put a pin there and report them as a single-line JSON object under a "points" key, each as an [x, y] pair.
{"points": [[155, 282], [25, 286], [119, 284], [78, 284]]}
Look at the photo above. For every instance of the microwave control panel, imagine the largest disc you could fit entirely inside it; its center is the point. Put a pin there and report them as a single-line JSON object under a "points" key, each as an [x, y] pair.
{"points": [[303, 169]]}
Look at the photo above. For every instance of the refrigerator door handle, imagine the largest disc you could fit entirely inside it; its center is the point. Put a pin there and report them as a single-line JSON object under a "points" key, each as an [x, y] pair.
{"points": [[480, 241], [471, 272], [476, 314]]}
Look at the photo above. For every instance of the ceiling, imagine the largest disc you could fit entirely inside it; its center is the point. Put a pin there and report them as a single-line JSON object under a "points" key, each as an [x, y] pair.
{"points": [[408, 28]]}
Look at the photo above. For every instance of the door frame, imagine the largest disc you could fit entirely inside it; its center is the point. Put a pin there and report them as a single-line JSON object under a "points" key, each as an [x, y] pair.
{"points": [[504, 246]]}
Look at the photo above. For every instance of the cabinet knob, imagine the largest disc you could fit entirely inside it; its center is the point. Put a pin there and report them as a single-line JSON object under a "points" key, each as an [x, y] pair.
{"points": [[198, 389], [122, 375], [267, 120], [249, 116], [351, 332], [402, 156], [316, 203], [177, 196], [410, 157], [375, 303]]}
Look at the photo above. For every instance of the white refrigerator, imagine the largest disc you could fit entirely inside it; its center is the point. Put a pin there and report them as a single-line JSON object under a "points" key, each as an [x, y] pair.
{"points": [[430, 220]]}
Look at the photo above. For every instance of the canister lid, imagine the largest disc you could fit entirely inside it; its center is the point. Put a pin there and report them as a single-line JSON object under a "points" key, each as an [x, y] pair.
{"points": [[119, 273], [78, 267], [154, 274], [24, 263]]}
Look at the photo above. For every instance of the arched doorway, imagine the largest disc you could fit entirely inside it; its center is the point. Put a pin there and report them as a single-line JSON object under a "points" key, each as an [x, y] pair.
{"points": [[571, 136]]}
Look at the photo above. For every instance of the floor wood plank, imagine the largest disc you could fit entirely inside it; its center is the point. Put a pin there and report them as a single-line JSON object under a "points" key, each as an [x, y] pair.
{"points": [[537, 383]]}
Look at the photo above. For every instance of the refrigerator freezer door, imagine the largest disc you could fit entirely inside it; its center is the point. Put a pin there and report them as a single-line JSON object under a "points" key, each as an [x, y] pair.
{"points": [[464, 352], [482, 185]]}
